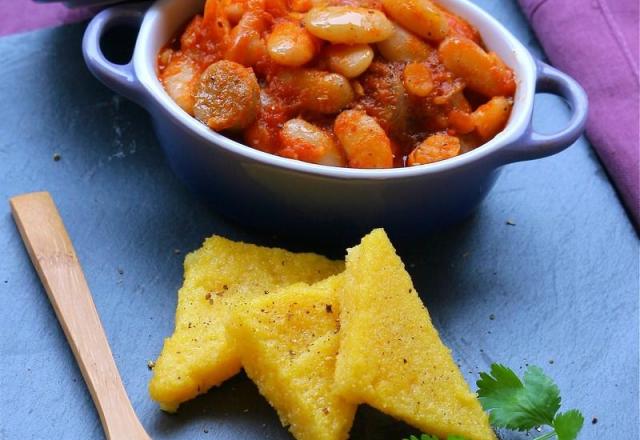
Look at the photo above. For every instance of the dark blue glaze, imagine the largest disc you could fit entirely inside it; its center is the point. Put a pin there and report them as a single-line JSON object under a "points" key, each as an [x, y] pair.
{"points": [[298, 198], [535, 145]]}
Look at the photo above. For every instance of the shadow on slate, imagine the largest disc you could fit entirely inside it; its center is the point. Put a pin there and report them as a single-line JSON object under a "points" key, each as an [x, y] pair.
{"points": [[237, 401]]}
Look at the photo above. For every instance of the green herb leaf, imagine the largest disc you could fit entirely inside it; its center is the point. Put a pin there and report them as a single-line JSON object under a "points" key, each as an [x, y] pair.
{"points": [[567, 425], [522, 405], [515, 404], [422, 437]]}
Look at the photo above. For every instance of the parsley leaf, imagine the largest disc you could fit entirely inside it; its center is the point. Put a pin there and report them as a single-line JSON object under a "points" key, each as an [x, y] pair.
{"points": [[516, 405], [523, 405], [567, 425]]}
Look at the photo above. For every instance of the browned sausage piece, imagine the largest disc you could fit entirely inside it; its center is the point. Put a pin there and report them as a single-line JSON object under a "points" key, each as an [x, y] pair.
{"points": [[227, 96]]}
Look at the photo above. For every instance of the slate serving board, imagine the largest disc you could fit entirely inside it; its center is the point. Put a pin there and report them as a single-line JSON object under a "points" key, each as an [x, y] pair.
{"points": [[557, 288]]}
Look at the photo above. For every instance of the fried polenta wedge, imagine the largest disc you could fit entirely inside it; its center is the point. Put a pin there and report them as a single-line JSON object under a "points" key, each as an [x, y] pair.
{"points": [[288, 344], [391, 356], [200, 354]]}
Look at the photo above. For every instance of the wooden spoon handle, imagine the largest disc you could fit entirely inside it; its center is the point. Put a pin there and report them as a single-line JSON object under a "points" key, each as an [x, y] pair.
{"points": [[55, 260]]}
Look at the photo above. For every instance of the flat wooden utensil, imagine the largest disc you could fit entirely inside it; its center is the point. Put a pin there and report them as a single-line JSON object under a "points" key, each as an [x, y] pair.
{"points": [[55, 260]]}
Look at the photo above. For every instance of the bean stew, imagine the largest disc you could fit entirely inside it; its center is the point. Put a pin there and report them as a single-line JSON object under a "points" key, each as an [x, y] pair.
{"points": [[349, 83]]}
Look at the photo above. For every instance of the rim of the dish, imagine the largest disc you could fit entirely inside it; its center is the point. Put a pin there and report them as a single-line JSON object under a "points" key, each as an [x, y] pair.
{"points": [[144, 63]]}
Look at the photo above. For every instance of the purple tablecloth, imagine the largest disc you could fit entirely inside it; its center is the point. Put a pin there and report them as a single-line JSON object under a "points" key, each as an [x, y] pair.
{"points": [[596, 42], [25, 15]]}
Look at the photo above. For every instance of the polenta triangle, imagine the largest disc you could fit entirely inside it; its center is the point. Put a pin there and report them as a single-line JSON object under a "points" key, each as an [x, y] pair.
{"points": [[391, 356], [200, 354], [288, 344]]}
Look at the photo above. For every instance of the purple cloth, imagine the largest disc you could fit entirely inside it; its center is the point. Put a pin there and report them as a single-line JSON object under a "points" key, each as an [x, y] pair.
{"points": [[596, 42], [25, 15]]}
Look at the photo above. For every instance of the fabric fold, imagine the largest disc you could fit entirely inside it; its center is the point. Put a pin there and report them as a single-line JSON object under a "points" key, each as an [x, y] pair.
{"points": [[596, 42], [27, 15]]}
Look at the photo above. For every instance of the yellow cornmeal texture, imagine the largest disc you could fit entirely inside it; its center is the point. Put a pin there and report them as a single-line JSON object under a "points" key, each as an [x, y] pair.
{"points": [[288, 344], [391, 356], [200, 354]]}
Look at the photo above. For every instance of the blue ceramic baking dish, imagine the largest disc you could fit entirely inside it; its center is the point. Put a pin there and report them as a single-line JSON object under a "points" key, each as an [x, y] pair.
{"points": [[285, 195]]}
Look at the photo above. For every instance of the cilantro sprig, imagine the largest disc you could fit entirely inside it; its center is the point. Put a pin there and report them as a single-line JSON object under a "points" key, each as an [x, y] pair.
{"points": [[521, 405]]}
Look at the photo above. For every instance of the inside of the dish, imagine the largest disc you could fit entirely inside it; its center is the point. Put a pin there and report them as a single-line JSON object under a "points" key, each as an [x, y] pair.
{"points": [[351, 83]]}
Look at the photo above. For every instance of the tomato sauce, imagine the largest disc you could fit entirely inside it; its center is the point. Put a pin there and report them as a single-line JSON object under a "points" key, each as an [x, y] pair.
{"points": [[432, 99]]}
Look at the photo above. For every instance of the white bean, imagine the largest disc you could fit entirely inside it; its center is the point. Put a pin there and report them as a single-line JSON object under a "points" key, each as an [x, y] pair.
{"points": [[290, 45], [365, 143], [490, 118], [483, 72], [179, 78], [246, 45], [349, 60], [435, 148], [304, 141], [402, 45], [419, 16], [318, 91], [417, 79], [348, 24]]}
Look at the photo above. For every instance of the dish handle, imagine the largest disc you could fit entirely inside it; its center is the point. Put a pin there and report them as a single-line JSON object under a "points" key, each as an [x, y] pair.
{"points": [[534, 145], [119, 77]]}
